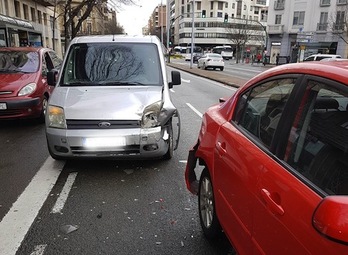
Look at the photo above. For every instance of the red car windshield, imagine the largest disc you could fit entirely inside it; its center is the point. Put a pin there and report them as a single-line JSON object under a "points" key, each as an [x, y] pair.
{"points": [[19, 61]]}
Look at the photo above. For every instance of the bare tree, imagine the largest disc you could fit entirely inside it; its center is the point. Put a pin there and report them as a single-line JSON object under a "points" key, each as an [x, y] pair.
{"points": [[240, 32], [111, 27], [338, 22], [74, 13]]}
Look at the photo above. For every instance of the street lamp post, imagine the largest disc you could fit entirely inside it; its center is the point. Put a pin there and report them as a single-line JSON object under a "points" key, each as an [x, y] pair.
{"points": [[193, 33]]}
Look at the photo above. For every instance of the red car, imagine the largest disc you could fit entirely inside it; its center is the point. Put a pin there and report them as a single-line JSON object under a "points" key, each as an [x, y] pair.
{"points": [[275, 159], [24, 91]]}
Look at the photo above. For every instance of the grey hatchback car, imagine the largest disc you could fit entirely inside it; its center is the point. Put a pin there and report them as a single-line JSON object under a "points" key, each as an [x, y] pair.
{"points": [[112, 100]]}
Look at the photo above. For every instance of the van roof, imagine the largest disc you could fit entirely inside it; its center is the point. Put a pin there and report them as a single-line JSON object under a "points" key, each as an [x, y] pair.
{"points": [[117, 38]]}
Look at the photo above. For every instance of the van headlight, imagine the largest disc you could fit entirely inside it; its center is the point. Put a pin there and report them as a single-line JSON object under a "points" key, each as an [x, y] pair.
{"points": [[151, 114], [56, 118], [27, 89]]}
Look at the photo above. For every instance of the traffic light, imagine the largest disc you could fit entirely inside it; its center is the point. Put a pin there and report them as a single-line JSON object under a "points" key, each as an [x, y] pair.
{"points": [[226, 18], [203, 14]]}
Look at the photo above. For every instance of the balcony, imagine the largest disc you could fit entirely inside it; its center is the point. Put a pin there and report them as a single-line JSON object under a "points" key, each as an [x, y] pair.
{"points": [[44, 2], [338, 27], [261, 2], [275, 29], [279, 5], [341, 2], [322, 27]]}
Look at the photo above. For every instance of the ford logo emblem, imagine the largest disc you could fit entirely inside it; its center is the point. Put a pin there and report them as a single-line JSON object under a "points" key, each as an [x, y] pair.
{"points": [[104, 124]]}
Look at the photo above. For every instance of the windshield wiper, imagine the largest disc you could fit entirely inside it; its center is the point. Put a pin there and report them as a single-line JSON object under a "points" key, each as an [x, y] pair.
{"points": [[79, 83], [121, 83]]}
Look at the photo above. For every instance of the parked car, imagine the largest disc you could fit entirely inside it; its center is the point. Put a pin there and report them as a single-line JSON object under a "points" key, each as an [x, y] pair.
{"points": [[112, 100], [275, 159], [24, 91], [318, 57], [211, 60]]}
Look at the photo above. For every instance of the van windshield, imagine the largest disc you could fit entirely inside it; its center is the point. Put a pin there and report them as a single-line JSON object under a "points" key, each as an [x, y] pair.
{"points": [[112, 64]]}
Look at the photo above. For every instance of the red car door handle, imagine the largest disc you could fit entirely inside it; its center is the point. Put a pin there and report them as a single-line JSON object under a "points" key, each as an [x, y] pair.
{"points": [[221, 147], [272, 205]]}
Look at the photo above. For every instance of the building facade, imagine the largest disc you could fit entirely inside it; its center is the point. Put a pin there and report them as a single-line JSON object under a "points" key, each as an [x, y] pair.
{"points": [[215, 22], [28, 22], [157, 24], [300, 28]]}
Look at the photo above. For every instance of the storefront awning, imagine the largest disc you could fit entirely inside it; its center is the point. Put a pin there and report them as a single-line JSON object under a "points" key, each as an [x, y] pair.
{"points": [[15, 22]]}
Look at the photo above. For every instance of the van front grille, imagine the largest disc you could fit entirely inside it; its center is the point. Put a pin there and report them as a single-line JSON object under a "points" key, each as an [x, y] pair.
{"points": [[102, 124]]}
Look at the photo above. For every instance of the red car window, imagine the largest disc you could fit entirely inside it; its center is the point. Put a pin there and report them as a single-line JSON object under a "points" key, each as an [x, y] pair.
{"points": [[261, 112], [318, 141]]}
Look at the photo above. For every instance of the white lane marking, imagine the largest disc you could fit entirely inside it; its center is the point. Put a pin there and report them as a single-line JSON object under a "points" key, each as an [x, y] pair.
{"points": [[16, 223], [63, 196], [195, 110], [39, 249], [183, 161], [187, 81]]}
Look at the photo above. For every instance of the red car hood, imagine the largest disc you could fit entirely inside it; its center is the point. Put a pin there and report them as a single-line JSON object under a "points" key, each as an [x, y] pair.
{"points": [[15, 81]]}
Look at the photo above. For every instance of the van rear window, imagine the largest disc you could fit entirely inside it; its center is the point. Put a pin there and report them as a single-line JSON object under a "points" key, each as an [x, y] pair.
{"points": [[112, 64]]}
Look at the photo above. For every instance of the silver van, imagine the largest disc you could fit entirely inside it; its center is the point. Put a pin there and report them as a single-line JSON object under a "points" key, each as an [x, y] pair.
{"points": [[112, 100]]}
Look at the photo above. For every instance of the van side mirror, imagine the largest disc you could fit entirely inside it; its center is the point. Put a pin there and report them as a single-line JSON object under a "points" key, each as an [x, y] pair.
{"points": [[176, 79], [52, 77], [330, 218]]}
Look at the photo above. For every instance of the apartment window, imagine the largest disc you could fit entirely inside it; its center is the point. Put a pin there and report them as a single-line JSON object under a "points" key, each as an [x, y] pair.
{"points": [[278, 19], [211, 14], [245, 7], [89, 28], [45, 19], [323, 17], [26, 11], [211, 5], [33, 14], [220, 6], [199, 6], [341, 1], [226, 5], [7, 11], [298, 18], [17, 9], [219, 14], [340, 17], [324, 2], [51, 22], [233, 5], [39, 17]]}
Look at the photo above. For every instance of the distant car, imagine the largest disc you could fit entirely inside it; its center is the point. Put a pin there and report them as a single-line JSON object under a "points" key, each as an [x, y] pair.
{"points": [[211, 60], [275, 160], [112, 100], [318, 57], [24, 91]]}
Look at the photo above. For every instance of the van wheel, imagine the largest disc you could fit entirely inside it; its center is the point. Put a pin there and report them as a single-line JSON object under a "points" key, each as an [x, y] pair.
{"points": [[206, 206], [43, 111], [221, 68], [170, 152]]}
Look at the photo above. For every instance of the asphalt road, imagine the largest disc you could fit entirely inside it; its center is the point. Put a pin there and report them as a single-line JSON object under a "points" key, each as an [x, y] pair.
{"points": [[110, 207]]}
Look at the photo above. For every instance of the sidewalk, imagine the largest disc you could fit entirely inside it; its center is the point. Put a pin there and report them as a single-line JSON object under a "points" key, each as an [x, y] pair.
{"points": [[212, 75]]}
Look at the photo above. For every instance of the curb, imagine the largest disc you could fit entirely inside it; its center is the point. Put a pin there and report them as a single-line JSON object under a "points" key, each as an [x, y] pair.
{"points": [[212, 75]]}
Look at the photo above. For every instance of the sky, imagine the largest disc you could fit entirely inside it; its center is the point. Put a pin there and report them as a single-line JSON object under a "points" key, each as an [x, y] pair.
{"points": [[134, 18]]}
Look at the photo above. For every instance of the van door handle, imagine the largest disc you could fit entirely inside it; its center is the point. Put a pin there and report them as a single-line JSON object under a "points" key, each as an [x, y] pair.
{"points": [[221, 148], [272, 205]]}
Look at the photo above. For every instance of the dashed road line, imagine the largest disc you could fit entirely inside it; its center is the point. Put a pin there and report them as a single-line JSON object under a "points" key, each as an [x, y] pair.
{"points": [[195, 110], [16, 223], [63, 196]]}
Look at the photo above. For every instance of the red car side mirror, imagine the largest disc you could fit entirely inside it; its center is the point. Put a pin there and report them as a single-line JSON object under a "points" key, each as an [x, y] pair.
{"points": [[331, 218]]}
